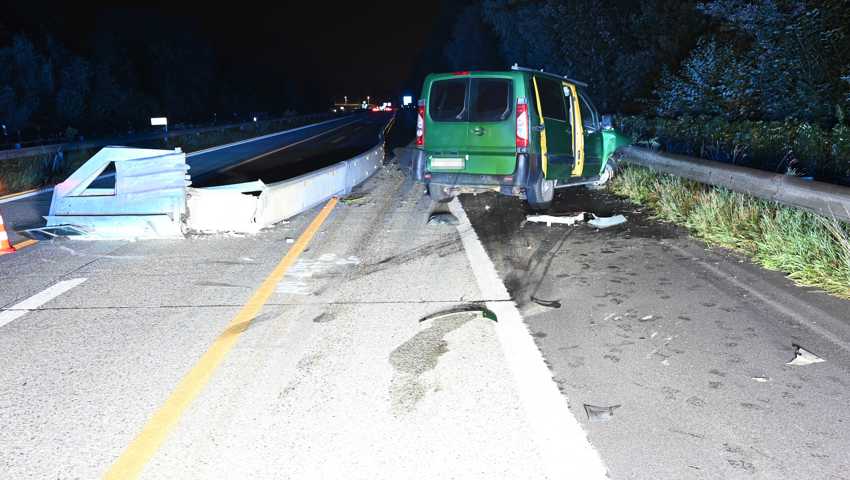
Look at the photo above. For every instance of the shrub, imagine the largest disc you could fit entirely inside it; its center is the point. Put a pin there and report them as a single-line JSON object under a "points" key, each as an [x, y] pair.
{"points": [[813, 250]]}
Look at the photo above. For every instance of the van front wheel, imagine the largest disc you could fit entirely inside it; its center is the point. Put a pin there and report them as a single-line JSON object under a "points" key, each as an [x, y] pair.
{"points": [[540, 193]]}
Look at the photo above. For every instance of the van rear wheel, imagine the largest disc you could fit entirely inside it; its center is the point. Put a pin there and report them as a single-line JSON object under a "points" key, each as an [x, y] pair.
{"points": [[540, 193], [438, 193]]}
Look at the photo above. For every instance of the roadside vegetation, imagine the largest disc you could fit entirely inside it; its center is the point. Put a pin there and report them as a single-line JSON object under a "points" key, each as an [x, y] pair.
{"points": [[790, 146], [761, 83], [813, 250]]}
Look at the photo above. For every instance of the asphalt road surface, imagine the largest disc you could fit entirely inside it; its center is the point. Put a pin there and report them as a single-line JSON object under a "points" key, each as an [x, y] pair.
{"points": [[340, 345], [270, 158], [336, 376], [691, 343]]}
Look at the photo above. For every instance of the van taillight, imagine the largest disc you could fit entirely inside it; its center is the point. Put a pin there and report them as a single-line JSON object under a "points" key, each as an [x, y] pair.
{"points": [[521, 124], [420, 125]]}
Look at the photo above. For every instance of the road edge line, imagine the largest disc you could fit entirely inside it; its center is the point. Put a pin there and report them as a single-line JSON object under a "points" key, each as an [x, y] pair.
{"points": [[563, 445], [147, 442], [8, 315], [25, 194], [262, 137], [287, 146]]}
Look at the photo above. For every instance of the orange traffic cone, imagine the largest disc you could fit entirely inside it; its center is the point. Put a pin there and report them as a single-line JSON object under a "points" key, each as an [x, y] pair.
{"points": [[5, 246]]}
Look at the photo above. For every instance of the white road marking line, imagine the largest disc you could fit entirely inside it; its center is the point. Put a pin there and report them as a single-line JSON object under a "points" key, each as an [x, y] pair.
{"points": [[286, 147], [255, 139], [563, 445], [37, 300], [25, 195]]}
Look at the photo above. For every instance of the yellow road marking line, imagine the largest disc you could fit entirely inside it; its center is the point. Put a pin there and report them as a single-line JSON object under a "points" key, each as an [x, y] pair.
{"points": [[147, 442], [24, 244]]}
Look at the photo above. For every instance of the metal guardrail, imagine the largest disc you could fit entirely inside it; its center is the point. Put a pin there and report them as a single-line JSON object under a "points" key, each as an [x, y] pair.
{"points": [[52, 149], [832, 201], [151, 197]]}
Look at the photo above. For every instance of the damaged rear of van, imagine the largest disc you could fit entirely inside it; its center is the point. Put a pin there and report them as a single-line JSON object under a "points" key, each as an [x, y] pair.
{"points": [[518, 132]]}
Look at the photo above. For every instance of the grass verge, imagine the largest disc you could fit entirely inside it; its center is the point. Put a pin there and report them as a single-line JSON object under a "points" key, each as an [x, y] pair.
{"points": [[813, 250]]}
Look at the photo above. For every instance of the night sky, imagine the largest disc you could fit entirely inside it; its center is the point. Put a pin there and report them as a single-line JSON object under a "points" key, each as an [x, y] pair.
{"points": [[327, 49]]}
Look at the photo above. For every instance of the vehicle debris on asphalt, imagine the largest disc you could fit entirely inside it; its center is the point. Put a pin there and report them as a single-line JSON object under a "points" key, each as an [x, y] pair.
{"points": [[599, 414], [471, 307], [593, 221], [606, 222], [546, 303], [803, 357], [550, 219], [442, 218], [359, 198]]}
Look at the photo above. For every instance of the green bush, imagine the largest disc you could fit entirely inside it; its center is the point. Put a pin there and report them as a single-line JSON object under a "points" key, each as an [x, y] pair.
{"points": [[813, 250]]}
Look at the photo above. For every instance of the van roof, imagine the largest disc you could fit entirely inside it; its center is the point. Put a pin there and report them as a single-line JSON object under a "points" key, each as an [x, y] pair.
{"points": [[514, 72]]}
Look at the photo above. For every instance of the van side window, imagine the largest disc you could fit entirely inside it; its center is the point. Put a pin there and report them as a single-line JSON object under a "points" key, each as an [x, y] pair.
{"points": [[491, 99], [551, 99], [447, 100], [589, 116]]}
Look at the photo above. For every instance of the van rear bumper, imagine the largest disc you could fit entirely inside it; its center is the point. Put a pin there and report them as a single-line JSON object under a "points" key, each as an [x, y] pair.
{"points": [[472, 182]]}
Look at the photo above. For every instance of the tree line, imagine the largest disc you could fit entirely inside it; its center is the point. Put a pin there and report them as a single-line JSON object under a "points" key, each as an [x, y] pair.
{"points": [[736, 59], [119, 78]]}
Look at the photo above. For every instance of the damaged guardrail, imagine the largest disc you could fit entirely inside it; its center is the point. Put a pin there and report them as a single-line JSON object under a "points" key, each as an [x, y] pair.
{"points": [[249, 207], [133, 193], [145, 197], [823, 198]]}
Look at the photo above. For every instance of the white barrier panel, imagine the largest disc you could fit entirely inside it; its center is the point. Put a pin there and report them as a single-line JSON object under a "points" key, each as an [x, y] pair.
{"points": [[145, 198], [151, 197], [288, 198], [223, 209]]}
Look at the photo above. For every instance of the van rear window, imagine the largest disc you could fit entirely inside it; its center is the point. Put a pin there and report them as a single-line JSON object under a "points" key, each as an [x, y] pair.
{"points": [[447, 100], [475, 100], [491, 100]]}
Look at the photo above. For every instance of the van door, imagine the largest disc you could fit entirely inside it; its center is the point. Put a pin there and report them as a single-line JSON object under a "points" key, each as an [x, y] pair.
{"points": [[572, 99], [556, 137], [446, 124], [491, 136], [592, 136]]}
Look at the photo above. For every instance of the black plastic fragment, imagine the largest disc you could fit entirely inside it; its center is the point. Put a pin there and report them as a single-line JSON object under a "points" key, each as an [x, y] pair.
{"points": [[469, 307], [546, 303]]}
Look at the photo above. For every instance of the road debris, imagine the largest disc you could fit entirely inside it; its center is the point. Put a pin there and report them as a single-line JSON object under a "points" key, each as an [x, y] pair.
{"points": [[298, 280], [600, 414], [550, 219], [761, 379], [470, 307], [442, 218], [290, 240], [606, 222], [354, 199], [546, 303], [803, 357]]}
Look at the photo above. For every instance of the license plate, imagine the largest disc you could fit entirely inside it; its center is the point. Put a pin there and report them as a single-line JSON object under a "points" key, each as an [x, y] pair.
{"points": [[447, 162]]}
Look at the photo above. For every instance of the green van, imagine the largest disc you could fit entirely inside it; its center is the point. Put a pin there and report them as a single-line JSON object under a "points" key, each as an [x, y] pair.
{"points": [[519, 132]]}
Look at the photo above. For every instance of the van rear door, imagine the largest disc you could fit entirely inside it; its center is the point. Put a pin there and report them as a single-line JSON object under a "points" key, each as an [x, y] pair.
{"points": [[446, 124], [491, 136]]}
